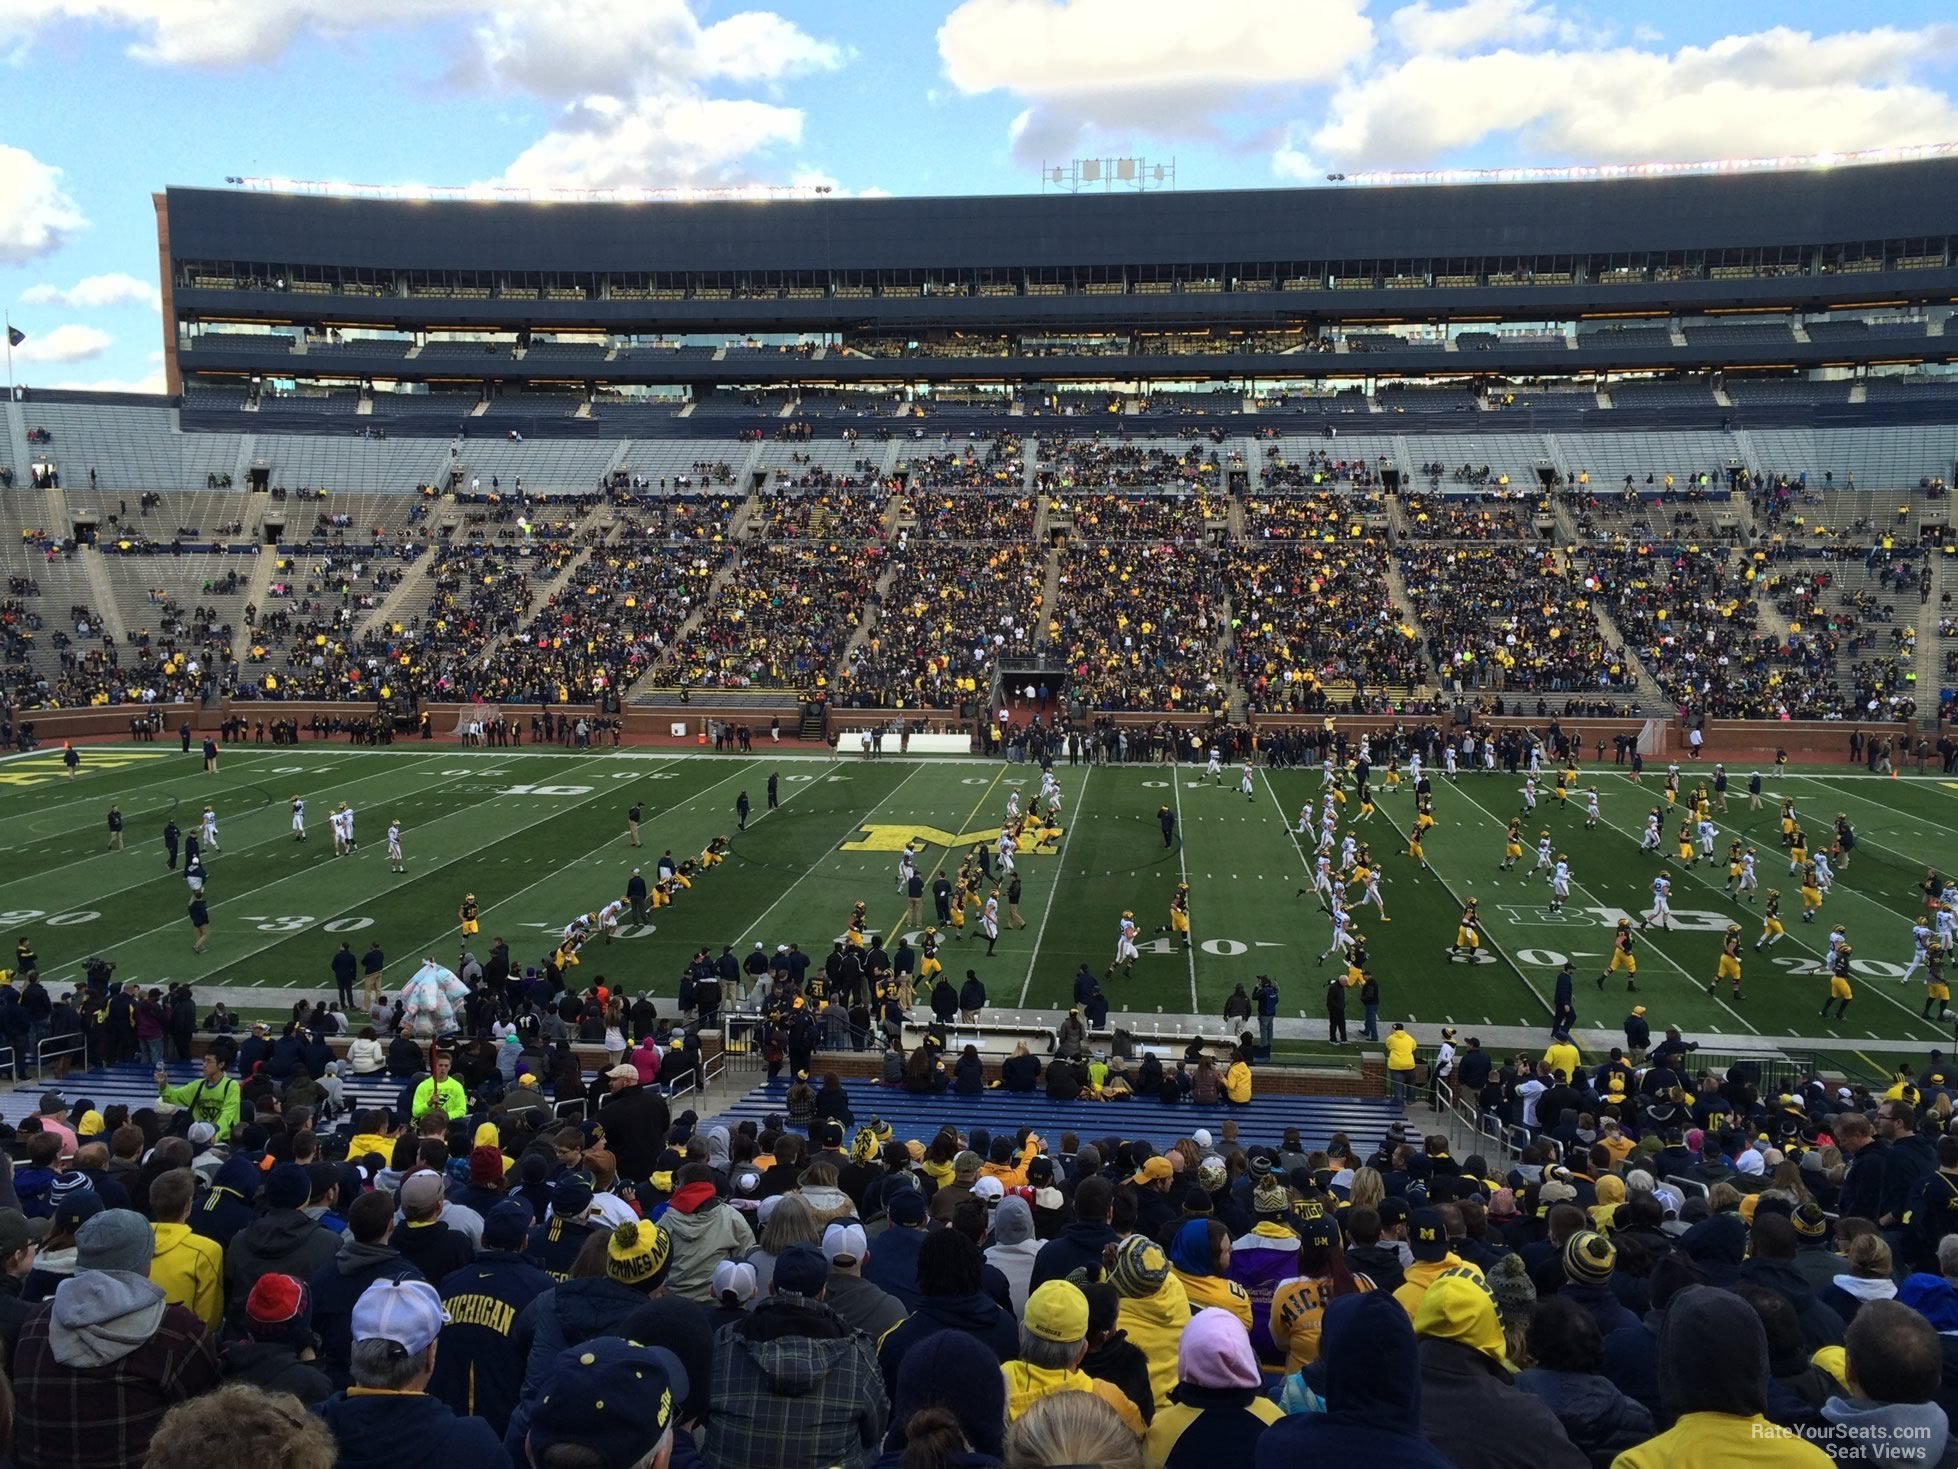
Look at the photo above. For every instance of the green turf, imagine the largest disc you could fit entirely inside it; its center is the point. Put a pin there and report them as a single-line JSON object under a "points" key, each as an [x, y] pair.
{"points": [[538, 836]]}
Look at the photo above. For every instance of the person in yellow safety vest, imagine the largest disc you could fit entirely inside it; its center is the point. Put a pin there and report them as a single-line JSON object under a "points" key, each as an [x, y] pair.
{"points": [[440, 1091]]}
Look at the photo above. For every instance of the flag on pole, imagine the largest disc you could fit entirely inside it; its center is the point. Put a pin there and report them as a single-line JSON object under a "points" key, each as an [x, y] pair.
{"points": [[15, 336]]}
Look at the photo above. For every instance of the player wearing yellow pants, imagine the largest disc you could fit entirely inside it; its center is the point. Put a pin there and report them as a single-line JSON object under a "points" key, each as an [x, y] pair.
{"points": [[1179, 914], [1467, 940], [1840, 994], [1729, 967], [928, 965], [1811, 894], [1622, 958], [1771, 930], [1936, 991], [1356, 960], [663, 893], [1685, 844], [1414, 845], [466, 916], [1512, 847]]}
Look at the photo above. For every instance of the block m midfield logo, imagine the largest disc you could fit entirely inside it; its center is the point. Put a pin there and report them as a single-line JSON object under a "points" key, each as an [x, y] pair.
{"points": [[892, 837]]}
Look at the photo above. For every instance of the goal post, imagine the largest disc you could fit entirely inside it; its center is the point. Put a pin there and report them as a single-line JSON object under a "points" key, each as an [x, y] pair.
{"points": [[473, 714]]}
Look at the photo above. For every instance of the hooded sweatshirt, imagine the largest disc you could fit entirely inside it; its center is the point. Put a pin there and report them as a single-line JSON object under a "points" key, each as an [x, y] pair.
{"points": [[1892, 1433], [1424, 1273], [337, 1285], [1155, 1325], [190, 1269], [1014, 1248], [1261, 1261], [95, 1371], [977, 1315], [1372, 1392], [397, 1430], [280, 1241], [1189, 1255], [1027, 1384], [704, 1231], [1219, 1413], [1713, 1374], [792, 1381]]}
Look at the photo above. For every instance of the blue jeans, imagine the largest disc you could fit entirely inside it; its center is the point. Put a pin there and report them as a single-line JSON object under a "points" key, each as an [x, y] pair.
{"points": [[1372, 1028], [152, 1052], [1264, 1032]]}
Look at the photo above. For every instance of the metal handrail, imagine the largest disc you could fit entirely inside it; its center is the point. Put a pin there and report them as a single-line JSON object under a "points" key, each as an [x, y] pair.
{"points": [[1472, 1119], [48, 1046]]}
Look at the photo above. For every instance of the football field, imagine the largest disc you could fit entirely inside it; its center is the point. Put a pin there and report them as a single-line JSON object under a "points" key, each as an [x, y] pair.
{"points": [[538, 836]]}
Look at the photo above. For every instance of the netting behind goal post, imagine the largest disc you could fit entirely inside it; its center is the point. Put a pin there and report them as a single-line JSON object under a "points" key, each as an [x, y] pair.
{"points": [[473, 714]]}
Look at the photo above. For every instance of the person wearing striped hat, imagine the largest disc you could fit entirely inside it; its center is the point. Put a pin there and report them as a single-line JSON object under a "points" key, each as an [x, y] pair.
{"points": [[1154, 1307]]}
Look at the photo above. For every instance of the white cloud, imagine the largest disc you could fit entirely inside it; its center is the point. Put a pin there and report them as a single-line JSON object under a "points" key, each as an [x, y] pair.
{"points": [[1775, 92], [154, 383], [96, 292], [69, 343], [1474, 24], [633, 48], [636, 72], [634, 76], [35, 215], [225, 32], [605, 143], [1093, 69]]}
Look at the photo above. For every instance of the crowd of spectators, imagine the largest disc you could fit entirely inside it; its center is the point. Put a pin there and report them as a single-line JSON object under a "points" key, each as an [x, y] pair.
{"points": [[616, 618], [1294, 517], [1507, 617], [1316, 469], [1159, 518], [1691, 614], [1463, 518], [1002, 466], [1305, 615], [1073, 463], [780, 619], [1138, 626], [694, 517], [950, 612], [971, 515], [841, 517], [1679, 1267]]}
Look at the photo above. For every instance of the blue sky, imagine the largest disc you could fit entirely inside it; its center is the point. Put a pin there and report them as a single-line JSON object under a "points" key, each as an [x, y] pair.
{"points": [[112, 99]]}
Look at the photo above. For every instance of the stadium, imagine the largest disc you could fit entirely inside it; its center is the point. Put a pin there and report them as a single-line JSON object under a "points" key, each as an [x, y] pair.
{"points": [[1529, 557]]}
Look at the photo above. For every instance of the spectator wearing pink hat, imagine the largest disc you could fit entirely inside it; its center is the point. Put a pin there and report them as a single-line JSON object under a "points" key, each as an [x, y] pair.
{"points": [[1218, 1413]]}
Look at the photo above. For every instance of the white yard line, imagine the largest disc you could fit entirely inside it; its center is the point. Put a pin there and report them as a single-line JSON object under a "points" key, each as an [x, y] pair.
{"points": [[1183, 866], [1790, 928], [862, 819], [1060, 870], [551, 813], [562, 868], [122, 792], [1578, 887], [285, 834]]}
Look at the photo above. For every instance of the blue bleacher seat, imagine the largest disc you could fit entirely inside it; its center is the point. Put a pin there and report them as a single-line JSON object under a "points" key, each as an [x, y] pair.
{"points": [[1364, 1120]]}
